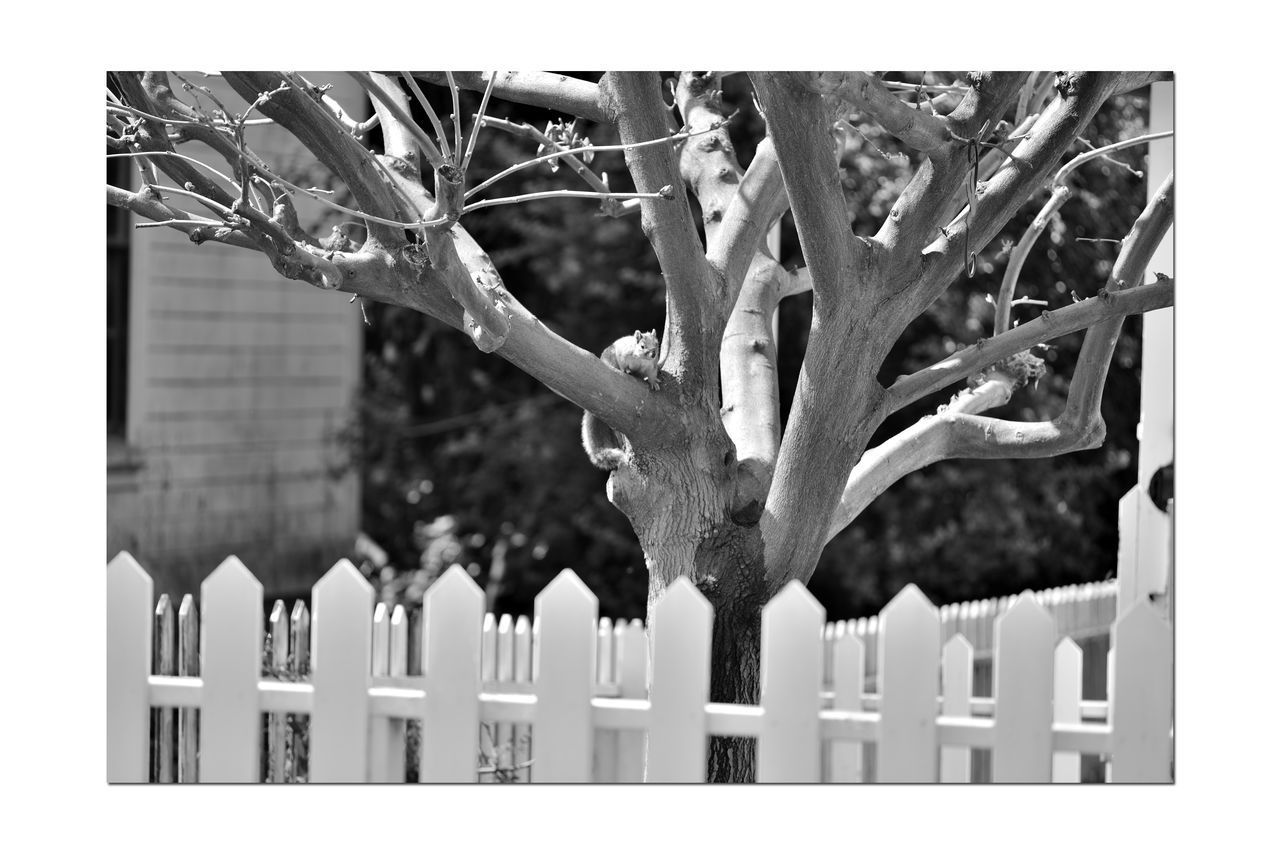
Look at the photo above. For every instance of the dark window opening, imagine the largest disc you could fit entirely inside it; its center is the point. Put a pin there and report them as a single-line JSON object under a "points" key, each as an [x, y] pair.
{"points": [[117, 301]]}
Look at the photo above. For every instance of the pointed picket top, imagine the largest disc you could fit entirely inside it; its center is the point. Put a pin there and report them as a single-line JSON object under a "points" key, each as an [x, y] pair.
{"points": [[381, 640], [279, 616], [604, 651], [682, 600], [453, 578], [795, 599], [1026, 611], [1142, 696], [398, 661], [342, 576], [909, 599], [231, 574], [565, 587], [958, 645], [129, 590], [123, 569]]}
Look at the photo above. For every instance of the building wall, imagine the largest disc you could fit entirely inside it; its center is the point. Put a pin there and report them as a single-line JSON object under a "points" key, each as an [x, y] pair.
{"points": [[240, 385]]}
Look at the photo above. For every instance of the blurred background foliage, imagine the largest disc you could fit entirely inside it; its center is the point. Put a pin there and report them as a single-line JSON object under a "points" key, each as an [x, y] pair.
{"points": [[465, 459]]}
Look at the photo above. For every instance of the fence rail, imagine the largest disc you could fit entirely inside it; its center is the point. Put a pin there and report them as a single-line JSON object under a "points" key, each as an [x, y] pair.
{"points": [[460, 695]]}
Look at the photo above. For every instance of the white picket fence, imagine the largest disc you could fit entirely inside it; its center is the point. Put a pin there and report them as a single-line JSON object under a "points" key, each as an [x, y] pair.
{"points": [[576, 699]]}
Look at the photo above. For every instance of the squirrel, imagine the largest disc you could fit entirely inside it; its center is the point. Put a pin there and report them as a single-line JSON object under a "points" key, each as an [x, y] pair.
{"points": [[637, 355]]}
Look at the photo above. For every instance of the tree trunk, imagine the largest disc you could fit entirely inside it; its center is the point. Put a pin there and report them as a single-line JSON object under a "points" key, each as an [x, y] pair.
{"points": [[679, 502], [735, 678]]}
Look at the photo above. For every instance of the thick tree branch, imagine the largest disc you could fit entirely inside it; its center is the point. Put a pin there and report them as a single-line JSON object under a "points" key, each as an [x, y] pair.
{"points": [[760, 199], [957, 431], [692, 341], [748, 370], [912, 220], [146, 202], [919, 445], [799, 126], [1050, 325], [558, 92], [398, 127], [707, 162], [1081, 95], [1060, 194], [994, 159], [302, 113], [922, 131], [1085, 395], [836, 396], [194, 125], [148, 135], [373, 273]]}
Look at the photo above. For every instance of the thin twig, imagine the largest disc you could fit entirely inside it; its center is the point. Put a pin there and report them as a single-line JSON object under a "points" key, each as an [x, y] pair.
{"points": [[431, 114], [674, 138], [134, 111], [1061, 193], [172, 222], [561, 194], [429, 149], [457, 112], [146, 154], [1061, 177], [475, 127], [932, 88], [529, 131]]}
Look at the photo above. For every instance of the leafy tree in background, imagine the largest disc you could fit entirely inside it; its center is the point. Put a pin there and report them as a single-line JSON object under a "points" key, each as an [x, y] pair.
{"points": [[903, 237]]}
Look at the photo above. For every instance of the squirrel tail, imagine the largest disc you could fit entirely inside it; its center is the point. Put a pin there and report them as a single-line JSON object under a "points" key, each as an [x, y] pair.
{"points": [[600, 443]]}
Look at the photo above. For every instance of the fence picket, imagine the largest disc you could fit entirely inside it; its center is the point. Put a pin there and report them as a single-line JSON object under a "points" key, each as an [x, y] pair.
{"points": [[342, 641], [909, 658], [504, 748], [681, 685], [386, 735], [604, 759], [398, 667], [522, 734], [277, 667], [957, 694], [188, 665], [451, 652], [128, 666], [848, 675], [1068, 683], [631, 667], [564, 675], [1023, 691], [488, 672], [299, 769], [789, 748], [1142, 697], [231, 660], [163, 663]]}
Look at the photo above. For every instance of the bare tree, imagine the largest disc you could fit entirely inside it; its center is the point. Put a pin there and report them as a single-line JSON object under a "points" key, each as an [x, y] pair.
{"points": [[716, 487]]}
